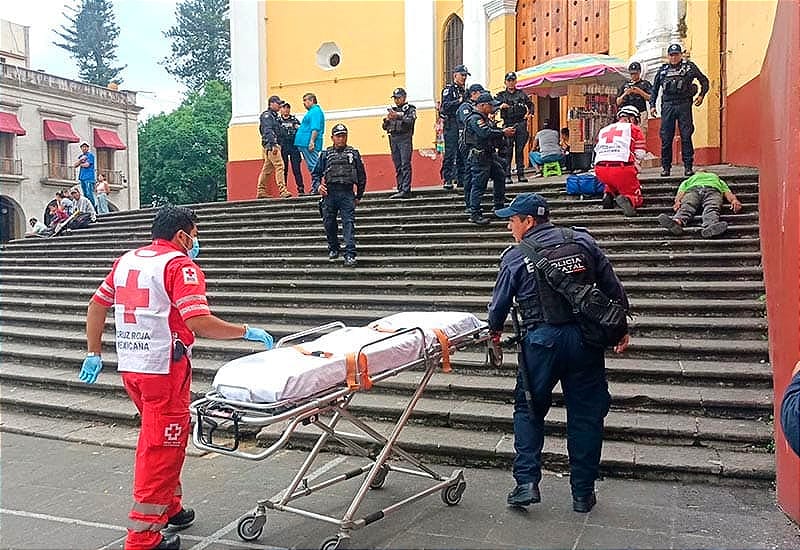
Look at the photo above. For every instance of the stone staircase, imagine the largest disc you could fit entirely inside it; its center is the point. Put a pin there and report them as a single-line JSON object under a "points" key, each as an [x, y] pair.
{"points": [[691, 398]]}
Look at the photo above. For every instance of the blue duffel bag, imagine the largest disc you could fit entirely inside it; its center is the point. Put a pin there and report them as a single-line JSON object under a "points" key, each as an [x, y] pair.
{"points": [[584, 184]]}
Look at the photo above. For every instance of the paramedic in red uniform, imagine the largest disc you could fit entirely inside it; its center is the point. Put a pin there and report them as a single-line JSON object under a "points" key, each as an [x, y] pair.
{"points": [[619, 146], [159, 299]]}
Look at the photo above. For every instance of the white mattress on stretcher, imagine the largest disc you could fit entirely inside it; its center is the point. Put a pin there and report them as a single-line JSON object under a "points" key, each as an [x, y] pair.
{"points": [[287, 373]]}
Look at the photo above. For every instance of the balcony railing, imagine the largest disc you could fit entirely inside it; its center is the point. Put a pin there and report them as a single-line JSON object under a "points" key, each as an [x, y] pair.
{"points": [[113, 177], [11, 167], [59, 172]]}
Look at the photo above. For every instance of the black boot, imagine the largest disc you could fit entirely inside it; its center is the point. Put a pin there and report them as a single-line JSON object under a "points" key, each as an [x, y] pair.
{"points": [[665, 172], [524, 494], [584, 505], [608, 201], [169, 542], [687, 170], [182, 519]]}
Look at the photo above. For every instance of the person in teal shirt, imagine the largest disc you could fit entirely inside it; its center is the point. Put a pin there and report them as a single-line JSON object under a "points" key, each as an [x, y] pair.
{"points": [[309, 135], [703, 190]]}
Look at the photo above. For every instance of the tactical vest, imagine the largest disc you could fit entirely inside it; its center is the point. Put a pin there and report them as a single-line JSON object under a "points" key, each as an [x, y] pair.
{"points": [[551, 307], [395, 127], [516, 107], [340, 166], [289, 126], [471, 139], [677, 82]]}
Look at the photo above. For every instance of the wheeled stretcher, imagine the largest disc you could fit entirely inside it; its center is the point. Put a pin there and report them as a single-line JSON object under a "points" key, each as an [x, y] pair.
{"points": [[311, 378]]}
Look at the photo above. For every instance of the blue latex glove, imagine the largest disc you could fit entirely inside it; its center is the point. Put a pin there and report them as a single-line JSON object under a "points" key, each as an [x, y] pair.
{"points": [[258, 335], [91, 369]]}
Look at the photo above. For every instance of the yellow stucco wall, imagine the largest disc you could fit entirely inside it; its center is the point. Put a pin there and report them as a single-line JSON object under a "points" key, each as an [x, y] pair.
{"points": [[703, 44], [622, 28], [502, 50], [749, 28]]}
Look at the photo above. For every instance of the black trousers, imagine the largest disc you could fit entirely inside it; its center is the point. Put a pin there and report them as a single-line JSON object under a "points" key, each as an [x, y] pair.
{"points": [[401, 148], [451, 160], [682, 114], [292, 154], [516, 146]]}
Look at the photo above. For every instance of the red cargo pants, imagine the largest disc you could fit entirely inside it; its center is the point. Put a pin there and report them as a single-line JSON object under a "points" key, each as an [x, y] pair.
{"points": [[163, 404]]}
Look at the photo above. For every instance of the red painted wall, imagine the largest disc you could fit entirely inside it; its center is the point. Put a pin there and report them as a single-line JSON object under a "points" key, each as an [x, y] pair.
{"points": [[779, 205], [741, 125], [242, 176]]}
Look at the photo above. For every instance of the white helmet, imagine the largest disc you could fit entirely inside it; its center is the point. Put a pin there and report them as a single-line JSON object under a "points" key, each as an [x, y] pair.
{"points": [[628, 110]]}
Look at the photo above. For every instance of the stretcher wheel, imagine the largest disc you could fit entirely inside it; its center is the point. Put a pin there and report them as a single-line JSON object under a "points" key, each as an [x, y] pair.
{"points": [[250, 527], [380, 478], [334, 543], [452, 495]]}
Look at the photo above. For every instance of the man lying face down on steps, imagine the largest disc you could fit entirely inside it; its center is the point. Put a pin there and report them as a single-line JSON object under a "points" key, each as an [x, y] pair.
{"points": [[703, 191]]}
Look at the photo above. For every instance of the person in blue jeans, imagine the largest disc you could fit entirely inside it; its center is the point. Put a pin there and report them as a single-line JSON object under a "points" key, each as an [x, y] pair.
{"points": [[86, 174], [553, 349], [308, 138], [341, 168]]}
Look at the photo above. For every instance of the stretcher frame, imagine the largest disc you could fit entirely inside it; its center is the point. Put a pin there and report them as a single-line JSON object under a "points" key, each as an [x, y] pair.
{"points": [[215, 411]]}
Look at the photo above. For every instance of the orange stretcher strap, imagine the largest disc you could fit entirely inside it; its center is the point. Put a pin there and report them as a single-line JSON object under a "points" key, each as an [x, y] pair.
{"points": [[444, 342], [363, 372], [304, 351]]}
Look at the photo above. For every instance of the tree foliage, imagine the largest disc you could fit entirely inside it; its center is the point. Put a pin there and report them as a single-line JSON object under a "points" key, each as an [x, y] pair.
{"points": [[201, 43], [91, 39], [182, 155]]}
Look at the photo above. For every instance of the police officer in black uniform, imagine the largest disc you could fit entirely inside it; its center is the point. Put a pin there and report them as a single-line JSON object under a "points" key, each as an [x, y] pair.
{"points": [[462, 113], [676, 78], [515, 107], [479, 135], [553, 348], [399, 124], [289, 151], [452, 96], [342, 168]]}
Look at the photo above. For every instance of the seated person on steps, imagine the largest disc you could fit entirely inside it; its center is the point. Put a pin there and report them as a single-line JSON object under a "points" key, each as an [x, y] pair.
{"points": [[546, 148], [703, 191]]}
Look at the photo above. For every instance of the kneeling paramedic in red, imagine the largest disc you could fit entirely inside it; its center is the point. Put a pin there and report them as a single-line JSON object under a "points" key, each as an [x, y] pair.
{"points": [[159, 298]]}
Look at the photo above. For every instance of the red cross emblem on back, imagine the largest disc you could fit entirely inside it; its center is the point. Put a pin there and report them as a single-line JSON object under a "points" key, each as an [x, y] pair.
{"points": [[132, 297], [611, 133]]}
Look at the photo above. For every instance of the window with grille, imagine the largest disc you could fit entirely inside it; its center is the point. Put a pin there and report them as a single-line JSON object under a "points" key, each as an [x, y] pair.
{"points": [[7, 164], [57, 161], [105, 161], [453, 45]]}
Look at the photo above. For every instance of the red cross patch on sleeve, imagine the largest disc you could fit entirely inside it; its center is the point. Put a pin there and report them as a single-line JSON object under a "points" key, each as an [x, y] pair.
{"points": [[189, 276]]}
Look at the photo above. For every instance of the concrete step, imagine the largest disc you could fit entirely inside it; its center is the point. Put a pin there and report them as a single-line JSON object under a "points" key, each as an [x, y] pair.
{"points": [[58, 392], [40, 312], [619, 368], [623, 459], [333, 271], [245, 248]]}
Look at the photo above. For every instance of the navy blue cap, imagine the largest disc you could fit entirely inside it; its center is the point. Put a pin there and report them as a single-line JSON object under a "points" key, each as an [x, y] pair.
{"points": [[461, 69], [475, 88], [485, 97], [674, 48], [525, 204], [275, 99], [399, 92], [511, 76], [338, 129], [635, 66]]}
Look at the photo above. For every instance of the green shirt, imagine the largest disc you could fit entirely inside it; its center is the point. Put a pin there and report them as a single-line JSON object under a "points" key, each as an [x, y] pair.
{"points": [[704, 179]]}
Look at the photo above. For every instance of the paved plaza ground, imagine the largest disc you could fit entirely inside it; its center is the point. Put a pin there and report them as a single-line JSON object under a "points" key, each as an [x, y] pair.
{"points": [[58, 494]]}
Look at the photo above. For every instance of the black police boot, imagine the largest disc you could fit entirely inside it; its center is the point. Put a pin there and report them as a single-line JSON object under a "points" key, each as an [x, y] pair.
{"points": [[448, 185], [478, 219], [181, 520], [169, 542], [687, 171], [665, 172], [401, 195], [333, 255], [508, 180], [608, 201], [521, 177], [714, 230], [584, 504], [673, 226], [626, 205], [524, 494]]}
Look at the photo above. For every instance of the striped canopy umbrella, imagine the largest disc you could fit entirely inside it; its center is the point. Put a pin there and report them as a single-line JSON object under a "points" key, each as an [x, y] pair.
{"points": [[552, 77]]}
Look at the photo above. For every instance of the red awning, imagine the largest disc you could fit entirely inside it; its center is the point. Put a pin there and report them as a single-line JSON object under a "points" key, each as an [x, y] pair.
{"points": [[9, 124], [56, 130], [107, 139]]}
